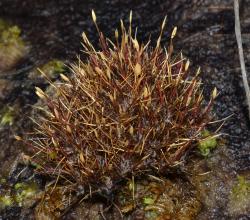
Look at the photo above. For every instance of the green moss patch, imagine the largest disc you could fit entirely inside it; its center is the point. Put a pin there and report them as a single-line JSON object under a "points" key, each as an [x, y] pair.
{"points": [[7, 115], [21, 194], [51, 69], [207, 144], [239, 202], [12, 46]]}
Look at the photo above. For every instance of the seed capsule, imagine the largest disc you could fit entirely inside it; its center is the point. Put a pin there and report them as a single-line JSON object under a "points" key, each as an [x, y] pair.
{"points": [[137, 70], [93, 16], [131, 130], [214, 94], [40, 93], [174, 32]]}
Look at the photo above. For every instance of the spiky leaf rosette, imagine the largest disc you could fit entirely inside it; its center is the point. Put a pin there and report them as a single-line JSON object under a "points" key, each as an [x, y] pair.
{"points": [[129, 109]]}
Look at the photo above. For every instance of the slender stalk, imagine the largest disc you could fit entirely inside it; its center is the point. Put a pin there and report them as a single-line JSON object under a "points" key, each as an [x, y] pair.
{"points": [[241, 55]]}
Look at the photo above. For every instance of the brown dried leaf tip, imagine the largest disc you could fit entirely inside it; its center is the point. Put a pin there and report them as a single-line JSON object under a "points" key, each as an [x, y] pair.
{"points": [[129, 109]]}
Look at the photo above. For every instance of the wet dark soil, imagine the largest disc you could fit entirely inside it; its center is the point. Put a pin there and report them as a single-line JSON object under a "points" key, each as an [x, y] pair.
{"points": [[205, 34]]}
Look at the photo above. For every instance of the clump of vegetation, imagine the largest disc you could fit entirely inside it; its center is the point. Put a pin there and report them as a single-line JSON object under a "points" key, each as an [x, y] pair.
{"points": [[207, 144], [12, 46], [128, 110]]}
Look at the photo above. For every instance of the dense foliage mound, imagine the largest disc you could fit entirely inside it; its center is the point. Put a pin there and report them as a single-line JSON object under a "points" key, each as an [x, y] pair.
{"points": [[128, 110]]}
